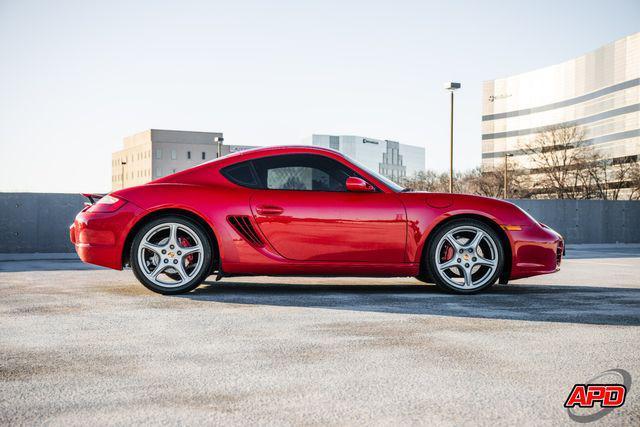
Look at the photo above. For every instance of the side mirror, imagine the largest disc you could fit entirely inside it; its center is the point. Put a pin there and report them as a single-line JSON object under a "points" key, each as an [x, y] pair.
{"points": [[359, 185]]}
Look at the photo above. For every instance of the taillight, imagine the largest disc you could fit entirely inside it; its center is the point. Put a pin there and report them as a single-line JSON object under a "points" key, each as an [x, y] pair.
{"points": [[107, 204]]}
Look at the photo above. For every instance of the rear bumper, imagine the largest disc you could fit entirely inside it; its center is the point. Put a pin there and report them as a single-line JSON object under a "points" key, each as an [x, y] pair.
{"points": [[536, 250], [99, 238]]}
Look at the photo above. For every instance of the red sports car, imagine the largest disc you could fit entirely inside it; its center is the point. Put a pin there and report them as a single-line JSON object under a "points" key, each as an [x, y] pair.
{"points": [[308, 211]]}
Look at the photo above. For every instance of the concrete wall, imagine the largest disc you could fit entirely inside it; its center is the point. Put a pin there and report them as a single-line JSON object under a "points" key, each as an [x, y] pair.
{"points": [[588, 221], [39, 222]]}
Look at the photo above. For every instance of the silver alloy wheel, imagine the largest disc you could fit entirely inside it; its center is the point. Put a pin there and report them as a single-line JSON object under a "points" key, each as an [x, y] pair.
{"points": [[170, 254], [466, 257]]}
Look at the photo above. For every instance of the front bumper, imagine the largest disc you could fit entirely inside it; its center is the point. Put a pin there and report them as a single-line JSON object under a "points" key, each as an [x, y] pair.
{"points": [[536, 250], [99, 238]]}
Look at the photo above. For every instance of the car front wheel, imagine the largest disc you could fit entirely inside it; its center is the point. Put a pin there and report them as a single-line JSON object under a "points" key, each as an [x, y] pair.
{"points": [[171, 255], [465, 256]]}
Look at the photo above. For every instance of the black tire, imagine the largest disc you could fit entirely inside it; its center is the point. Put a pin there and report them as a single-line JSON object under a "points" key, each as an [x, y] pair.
{"points": [[193, 282], [437, 276]]}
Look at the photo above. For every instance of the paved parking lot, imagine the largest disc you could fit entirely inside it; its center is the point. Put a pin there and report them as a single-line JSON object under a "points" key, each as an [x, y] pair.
{"points": [[82, 345]]}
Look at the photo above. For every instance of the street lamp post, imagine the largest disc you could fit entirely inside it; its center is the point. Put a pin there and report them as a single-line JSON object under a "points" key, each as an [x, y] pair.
{"points": [[122, 164], [451, 87], [218, 140], [506, 171]]}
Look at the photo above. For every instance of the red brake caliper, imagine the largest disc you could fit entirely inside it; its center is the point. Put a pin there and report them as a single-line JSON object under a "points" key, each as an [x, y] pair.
{"points": [[185, 244], [447, 255]]}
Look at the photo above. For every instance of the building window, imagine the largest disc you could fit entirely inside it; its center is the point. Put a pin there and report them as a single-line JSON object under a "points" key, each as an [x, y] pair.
{"points": [[188, 155], [204, 155], [158, 172], [334, 142], [173, 155], [173, 171], [159, 153]]}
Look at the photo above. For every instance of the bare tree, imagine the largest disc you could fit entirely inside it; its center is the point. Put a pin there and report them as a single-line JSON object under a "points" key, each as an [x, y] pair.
{"points": [[634, 182], [608, 178], [474, 181], [558, 157], [485, 183], [561, 166], [491, 183], [428, 181]]}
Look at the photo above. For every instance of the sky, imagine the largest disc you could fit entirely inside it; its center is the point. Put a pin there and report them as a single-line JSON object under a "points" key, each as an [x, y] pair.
{"points": [[76, 77]]}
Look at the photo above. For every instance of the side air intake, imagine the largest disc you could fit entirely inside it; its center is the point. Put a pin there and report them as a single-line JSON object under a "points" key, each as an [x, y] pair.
{"points": [[243, 226]]}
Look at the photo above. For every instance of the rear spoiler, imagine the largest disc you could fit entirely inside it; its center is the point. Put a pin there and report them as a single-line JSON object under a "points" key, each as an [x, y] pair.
{"points": [[93, 197]]}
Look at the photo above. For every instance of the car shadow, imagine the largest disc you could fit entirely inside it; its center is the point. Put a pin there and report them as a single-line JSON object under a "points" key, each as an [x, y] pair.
{"points": [[539, 303]]}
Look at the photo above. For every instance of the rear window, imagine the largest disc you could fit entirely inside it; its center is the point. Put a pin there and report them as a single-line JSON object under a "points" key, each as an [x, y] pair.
{"points": [[241, 174]]}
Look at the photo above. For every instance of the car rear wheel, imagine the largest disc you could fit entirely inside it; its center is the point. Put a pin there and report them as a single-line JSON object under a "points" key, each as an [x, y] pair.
{"points": [[465, 256], [171, 255]]}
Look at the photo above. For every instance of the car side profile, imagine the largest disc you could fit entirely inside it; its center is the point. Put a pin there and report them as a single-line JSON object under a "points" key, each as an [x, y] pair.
{"points": [[308, 211]]}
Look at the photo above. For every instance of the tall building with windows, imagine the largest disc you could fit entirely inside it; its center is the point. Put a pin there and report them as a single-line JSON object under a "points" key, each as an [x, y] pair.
{"points": [[156, 152], [390, 158], [598, 92]]}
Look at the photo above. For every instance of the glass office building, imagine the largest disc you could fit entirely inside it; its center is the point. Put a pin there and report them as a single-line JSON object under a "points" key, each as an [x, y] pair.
{"points": [[598, 92], [392, 159]]}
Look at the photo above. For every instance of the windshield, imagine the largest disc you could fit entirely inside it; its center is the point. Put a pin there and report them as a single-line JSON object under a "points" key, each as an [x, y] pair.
{"points": [[392, 185]]}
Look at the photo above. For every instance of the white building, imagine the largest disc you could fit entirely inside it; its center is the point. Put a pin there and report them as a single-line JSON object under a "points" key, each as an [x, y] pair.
{"points": [[155, 153], [598, 92], [390, 158]]}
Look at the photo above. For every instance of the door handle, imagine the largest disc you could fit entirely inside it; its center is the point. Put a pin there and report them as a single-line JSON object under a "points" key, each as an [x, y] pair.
{"points": [[269, 210]]}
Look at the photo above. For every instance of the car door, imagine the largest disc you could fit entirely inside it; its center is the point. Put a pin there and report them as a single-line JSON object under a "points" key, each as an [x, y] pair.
{"points": [[306, 213]]}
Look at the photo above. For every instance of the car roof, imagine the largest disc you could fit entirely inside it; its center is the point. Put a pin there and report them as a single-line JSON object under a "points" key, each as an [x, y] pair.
{"points": [[280, 149], [250, 154], [196, 172]]}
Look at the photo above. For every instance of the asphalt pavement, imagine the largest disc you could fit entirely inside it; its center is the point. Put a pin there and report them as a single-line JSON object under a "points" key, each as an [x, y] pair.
{"points": [[83, 345]]}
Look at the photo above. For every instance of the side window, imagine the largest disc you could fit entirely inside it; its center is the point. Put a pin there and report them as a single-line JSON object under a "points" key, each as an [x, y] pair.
{"points": [[241, 174], [306, 172]]}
